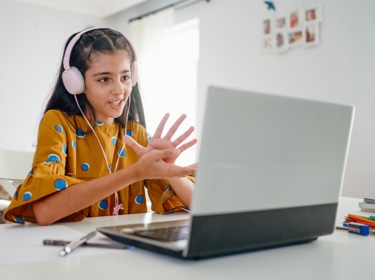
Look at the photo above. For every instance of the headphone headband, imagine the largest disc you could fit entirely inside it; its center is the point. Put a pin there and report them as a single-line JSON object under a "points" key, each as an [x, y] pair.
{"points": [[72, 78], [69, 48]]}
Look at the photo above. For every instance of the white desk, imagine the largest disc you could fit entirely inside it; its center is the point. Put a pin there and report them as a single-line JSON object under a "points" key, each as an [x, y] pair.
{"points": [[338, 256]]}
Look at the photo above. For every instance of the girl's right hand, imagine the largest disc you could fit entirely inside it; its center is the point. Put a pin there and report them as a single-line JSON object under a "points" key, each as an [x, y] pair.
{"points": [[160, 142], [152, 166], [165, 146]]}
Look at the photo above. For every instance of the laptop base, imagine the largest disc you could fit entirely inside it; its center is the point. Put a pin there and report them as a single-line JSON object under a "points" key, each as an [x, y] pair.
{"points": [[227, 234]]}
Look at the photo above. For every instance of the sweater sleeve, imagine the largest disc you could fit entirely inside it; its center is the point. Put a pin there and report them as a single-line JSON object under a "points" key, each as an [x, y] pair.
{"points": [[49, 173]]}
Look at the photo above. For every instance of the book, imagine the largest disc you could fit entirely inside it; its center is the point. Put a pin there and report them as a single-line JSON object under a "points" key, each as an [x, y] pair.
{"points": [[368, 207], [369, 200]]}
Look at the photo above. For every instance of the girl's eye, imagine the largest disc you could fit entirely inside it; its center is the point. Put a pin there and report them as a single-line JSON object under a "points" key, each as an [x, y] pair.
{"points": [[103, 80], [125, 78]]}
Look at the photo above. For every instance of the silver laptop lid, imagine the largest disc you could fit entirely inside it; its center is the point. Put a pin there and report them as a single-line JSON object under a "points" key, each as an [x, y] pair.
{"points": [[262, 151]]}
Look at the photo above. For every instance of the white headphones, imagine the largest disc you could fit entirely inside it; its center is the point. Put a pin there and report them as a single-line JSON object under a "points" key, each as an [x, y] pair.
{"points": [[72, 77]]}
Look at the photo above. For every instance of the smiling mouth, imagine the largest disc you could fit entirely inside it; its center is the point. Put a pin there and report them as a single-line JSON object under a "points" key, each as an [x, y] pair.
{"points": [[116, 102]]}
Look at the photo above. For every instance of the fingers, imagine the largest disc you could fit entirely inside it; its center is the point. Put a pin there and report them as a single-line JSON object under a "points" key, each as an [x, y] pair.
{"points": [[194, 165], [161, 143], [172, 130], [175, 126], [159, 154], [184, 171], [160, 128], [169, 153], [187, 145], [192, 168], [156, 168], [183, 137]]}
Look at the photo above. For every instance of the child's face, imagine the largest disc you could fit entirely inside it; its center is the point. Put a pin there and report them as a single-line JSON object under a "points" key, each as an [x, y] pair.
{"points": [[108, 85]]}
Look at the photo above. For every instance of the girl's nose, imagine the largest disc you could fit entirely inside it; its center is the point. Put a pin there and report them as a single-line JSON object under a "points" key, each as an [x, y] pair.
{"points": [[118, 87]]}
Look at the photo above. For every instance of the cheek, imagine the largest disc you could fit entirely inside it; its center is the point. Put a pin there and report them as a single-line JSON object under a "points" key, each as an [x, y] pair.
{"points": [[94, 91], [95, 97], [128, 91]]}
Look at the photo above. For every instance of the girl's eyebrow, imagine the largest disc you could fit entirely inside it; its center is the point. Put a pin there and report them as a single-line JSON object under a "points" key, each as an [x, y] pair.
{"points": [[109, 73]]}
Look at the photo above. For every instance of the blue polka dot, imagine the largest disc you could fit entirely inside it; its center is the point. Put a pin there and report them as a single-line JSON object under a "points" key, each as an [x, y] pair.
{"points": [[19, 220], [99, 123], [121, 153], [103, 204], [110, 167], [59, 128], [114, 140], [27, 196], [168, 187], [60, 184], [53, 157], [80, 133], [149, 138], [139, 199], [31, 172], [85, 166], [64, 148], [16, 193], [129, 133], [74, 145]]}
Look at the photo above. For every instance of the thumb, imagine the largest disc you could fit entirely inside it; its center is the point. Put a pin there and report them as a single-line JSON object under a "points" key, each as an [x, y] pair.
{"points": [[160, 154], [133, 144]]}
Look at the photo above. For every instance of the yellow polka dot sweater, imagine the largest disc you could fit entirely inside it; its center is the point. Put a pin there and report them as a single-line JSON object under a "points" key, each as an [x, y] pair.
{"points": [[66, 155]]}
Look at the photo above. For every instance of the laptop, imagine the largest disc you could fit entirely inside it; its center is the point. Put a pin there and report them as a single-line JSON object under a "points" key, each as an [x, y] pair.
{"points": [[269, 174]]}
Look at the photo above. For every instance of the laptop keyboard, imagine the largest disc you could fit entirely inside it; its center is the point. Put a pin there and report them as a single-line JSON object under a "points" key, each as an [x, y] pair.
{"points": [[165, 234]]}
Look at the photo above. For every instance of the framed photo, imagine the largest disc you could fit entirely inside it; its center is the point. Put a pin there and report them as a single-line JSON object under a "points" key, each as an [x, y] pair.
{"points": [[267, 26], [267, 44], [296, 38], [295, 19], [299, 27], [312, 33], [281, 41], [281, 22], [313, 14]]}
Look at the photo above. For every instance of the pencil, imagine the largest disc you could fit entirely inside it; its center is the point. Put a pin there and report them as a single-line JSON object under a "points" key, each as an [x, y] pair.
{"points": [[364, 220], [52, 242]]}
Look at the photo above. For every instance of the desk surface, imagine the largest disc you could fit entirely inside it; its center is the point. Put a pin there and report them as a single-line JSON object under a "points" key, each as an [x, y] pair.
{"points": [[338, 256]]}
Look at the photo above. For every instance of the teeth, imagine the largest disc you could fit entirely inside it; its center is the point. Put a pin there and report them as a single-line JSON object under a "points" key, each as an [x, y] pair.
{"points": [[116, 103]]}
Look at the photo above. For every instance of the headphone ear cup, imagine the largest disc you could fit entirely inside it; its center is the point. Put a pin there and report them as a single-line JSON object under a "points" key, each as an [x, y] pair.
{"points": [[134, 73], [73, 81]]}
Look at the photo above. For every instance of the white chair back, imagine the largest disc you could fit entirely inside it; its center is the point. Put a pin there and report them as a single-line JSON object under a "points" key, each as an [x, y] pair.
{"points": [[14, 167]]}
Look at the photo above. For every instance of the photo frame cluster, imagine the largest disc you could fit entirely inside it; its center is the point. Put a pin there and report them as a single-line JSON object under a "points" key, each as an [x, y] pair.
{"points": [[299, 28]]}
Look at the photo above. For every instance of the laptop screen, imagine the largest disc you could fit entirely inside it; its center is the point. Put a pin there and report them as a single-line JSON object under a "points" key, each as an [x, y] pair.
{"points": [[262, 152]]}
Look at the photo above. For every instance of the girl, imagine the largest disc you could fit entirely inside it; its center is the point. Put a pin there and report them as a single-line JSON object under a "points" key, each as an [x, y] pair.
{"points": [[82, 167]]}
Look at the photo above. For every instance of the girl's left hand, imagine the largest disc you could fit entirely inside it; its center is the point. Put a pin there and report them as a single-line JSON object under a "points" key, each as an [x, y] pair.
{"points": [[162, 143]]}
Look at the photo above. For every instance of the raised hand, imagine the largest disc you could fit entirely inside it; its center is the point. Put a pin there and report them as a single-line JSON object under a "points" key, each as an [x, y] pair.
{"points": [[159, 142]]}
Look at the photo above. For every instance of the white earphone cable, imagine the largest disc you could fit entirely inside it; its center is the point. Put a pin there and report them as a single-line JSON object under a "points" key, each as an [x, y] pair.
{"points": [[100, 144], [117, 205]]}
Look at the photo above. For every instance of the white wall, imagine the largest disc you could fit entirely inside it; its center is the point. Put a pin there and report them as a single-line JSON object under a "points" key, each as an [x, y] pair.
{"points": [[31, 42], [341, 69]]}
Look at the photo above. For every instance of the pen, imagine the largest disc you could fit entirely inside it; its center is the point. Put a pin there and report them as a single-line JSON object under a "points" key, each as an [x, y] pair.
{"points": [[360, 219], [54, 242], [76, 243]]}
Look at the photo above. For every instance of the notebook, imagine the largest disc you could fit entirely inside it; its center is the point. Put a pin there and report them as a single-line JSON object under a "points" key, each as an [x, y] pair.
{"points": [[269, 174]]}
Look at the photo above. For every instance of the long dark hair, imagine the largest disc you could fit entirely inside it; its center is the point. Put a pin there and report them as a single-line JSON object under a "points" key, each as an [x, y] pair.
{"points": [[103, 40]]}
